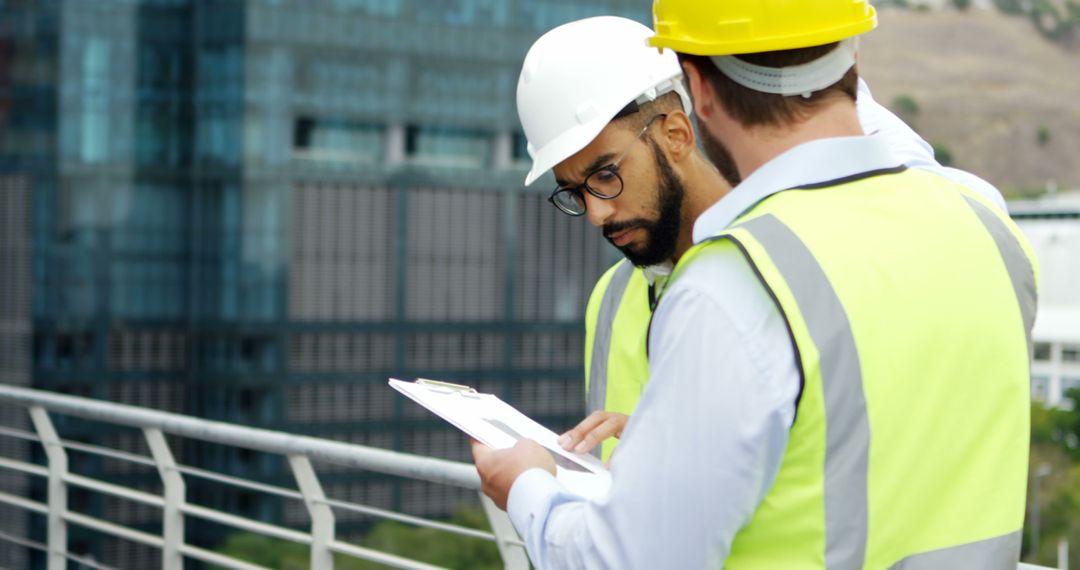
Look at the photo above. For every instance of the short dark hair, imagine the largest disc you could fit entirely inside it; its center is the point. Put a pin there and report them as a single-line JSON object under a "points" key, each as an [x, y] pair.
{"points": [[636, 120], [753, 108]]}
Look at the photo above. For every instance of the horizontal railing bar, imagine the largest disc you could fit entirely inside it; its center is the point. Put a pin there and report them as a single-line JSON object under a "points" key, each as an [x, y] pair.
{"points": [[246, 524], [219, 559], [157, 501], [20, 502], [109, 452], [340, 453], [380, 557], [344, 505], [23, 541], [409, 519], [222, 478], [19, 434], [358, 456], [84, 561], [115, 490], [30, 468], [114, 529]]}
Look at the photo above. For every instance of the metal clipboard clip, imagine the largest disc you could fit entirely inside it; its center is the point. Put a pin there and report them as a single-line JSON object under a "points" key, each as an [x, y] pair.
{"points": [[448, 387]]}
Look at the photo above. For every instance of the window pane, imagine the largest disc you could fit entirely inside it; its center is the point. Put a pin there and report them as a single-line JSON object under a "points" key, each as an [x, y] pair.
{"points": [[448, 147]]}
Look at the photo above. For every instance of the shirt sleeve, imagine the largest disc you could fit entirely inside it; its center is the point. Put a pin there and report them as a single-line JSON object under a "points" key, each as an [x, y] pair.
{"points": [[703, 446], [878, 122], [910, 148]]}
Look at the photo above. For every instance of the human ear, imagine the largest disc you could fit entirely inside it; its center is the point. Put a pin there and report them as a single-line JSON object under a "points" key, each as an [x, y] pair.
{"points": [[678, 135]]}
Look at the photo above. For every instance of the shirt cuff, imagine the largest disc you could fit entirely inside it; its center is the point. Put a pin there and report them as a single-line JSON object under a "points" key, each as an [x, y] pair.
{"points": [[530, 498]]}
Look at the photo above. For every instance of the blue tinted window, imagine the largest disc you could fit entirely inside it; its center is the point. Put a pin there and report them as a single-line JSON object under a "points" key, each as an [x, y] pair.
{"points": [[336, 140], [94, 144], [450, 147]]}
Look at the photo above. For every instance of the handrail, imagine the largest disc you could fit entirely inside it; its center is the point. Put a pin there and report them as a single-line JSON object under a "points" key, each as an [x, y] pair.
{"points": [[299, 450], [352, 455]]}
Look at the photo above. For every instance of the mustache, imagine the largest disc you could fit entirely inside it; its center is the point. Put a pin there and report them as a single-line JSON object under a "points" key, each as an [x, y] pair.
{"points": [[613, 228]]}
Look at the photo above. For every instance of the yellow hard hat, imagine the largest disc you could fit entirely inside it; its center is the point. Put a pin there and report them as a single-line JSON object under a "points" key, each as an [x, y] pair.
{"points": [[729, 27]]}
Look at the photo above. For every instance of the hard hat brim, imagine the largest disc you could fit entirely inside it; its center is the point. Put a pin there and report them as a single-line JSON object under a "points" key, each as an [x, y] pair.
{"points": [[774, 43]]}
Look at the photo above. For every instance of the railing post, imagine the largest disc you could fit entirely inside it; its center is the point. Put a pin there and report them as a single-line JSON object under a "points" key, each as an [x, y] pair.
{"points": [[58, 467], [322, 518], [172, 522], [506, 538]]}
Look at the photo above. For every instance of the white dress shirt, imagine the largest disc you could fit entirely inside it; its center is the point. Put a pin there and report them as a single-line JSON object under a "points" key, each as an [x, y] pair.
{"points": [[706, 440]]}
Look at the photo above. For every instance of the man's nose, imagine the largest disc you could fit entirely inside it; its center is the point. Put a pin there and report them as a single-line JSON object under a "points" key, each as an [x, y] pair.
{"points": [[599, 211]]}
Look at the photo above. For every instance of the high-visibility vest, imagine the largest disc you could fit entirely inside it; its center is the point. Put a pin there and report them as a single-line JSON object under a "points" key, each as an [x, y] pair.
{"points": [[616, 331], [910, 302]]}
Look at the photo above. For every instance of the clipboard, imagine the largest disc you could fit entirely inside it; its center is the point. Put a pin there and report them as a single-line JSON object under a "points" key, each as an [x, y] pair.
{"points": [[499, 425]]}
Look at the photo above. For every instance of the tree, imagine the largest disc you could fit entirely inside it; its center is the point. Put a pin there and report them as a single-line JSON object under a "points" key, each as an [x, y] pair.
{"points": [[905, 105], [943, 154], [437, 547], [1042, 135], [1055, 468]]}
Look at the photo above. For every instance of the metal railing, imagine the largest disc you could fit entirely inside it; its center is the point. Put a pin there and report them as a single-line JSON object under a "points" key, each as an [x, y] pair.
{"points": [[300, 451]]}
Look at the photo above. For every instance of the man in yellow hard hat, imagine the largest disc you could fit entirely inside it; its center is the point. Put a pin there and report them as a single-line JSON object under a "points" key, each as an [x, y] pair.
{"points": [[839, 368], [625, 83]]}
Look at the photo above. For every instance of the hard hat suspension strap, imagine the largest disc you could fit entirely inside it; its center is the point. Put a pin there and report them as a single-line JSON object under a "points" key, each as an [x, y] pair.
{"points": [[801, 79]]}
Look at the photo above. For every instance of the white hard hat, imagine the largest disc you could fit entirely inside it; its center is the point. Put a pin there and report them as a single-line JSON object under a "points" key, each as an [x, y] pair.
{"points": [[578, 76]]}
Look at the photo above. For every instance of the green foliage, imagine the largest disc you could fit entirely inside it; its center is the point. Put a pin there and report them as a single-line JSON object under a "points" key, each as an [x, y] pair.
{"points": [[1059, 427], [906, 107], [943, 154], [961, 5], [1050, 22], [1054, 477], [424, 544], [437, 547], [269, 552], [1042, 135], [1023, 192], [1056, 21], [1014, 7]]}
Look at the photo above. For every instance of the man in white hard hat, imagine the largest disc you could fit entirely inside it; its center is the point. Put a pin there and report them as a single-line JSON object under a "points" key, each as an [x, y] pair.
{"points": [[839, 369], [587, 84], [594, 84]]}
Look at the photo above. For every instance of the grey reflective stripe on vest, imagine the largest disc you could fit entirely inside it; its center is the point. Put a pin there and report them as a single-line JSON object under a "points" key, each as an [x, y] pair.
{"points": [[847, 437], [1017, 264], [601, 346], [998, 553]]}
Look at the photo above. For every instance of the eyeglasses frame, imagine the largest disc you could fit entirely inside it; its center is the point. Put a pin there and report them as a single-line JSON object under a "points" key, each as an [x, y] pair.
{"points": [[612, 167]]}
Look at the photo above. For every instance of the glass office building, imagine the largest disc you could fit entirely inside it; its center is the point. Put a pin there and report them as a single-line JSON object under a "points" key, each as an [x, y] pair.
{"points": [[256, 211]]}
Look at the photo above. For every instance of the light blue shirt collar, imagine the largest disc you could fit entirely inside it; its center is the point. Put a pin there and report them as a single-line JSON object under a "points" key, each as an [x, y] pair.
{"points": [[809, 163]]}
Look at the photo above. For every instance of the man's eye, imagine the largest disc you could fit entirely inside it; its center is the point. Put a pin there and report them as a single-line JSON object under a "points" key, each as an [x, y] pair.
{"points": [[605, 175]]}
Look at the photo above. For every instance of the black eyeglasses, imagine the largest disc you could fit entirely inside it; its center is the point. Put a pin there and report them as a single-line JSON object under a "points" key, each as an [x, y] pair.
{"points": [[604, 182]]}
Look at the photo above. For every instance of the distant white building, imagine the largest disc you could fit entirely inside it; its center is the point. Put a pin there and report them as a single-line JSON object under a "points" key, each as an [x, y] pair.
{"points": [[1052, 225]]}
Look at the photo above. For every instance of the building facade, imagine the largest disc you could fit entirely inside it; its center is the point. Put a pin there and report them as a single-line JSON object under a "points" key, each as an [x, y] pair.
{"points": [[1052, 225], [258, 210]]}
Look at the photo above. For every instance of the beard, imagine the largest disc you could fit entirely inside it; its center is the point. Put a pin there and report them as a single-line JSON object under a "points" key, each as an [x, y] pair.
{"points": [[718, 154], [662, 233]]}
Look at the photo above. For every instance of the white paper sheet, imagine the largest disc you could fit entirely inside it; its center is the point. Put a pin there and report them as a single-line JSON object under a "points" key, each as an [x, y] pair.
{"points": [[499, 425]]}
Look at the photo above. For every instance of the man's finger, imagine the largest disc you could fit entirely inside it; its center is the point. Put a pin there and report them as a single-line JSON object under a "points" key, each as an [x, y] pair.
{"points": [[573, 437], [480, 451], [597, 435]]}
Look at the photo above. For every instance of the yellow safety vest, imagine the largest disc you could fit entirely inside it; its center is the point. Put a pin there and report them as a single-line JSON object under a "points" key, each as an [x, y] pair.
{"points": [[616, 333], [910, 302]]}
